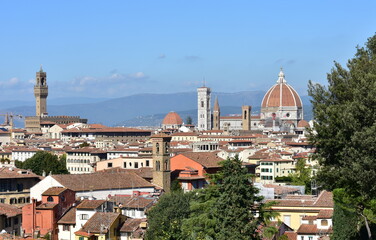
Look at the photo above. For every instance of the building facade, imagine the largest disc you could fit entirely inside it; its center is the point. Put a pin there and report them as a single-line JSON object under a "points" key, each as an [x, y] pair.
{"points": [[204, 112]]}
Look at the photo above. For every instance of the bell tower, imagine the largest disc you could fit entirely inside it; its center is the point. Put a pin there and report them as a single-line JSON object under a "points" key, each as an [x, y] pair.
{"points": [[161, 161], [203, 109], [216, 115], [246, 117], [41, 93]]}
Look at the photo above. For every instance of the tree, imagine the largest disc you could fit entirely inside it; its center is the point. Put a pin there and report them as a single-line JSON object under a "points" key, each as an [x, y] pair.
{"points": [[84, 144], [189, 120], [345, 133], [302, 176], [235, 207], [45, 162], [224, 209], [166, 217]]}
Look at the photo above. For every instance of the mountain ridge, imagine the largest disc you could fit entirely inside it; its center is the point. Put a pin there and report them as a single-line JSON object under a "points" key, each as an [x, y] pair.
{"points": [[120, 110]]}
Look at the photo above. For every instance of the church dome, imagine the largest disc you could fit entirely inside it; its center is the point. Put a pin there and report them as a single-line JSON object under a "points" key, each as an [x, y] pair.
{"points": [[303, 124], [172, 118], [281, 95]]}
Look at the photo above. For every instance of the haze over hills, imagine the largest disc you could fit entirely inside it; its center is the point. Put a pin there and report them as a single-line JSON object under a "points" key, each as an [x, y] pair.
{"points": [[143, 109]]}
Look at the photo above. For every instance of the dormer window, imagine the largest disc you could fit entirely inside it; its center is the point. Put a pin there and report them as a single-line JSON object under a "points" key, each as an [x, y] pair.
{"points": [[50, 199]]}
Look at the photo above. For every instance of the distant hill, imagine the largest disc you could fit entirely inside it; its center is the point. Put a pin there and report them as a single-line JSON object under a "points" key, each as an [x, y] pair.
{"points": [[146, 109]]}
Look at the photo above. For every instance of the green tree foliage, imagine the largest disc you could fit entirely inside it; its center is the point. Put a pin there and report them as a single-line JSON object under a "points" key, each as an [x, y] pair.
{"points": [[202, 224], [84, 144], [235, 207], [345, 132], [188, 121], [225, 209], [302, 175], [44, 161], [166, 217]]}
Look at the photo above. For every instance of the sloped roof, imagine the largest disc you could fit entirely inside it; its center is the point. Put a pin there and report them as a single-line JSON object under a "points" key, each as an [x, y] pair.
{"points": [[132, 202], [54, 191], [100, 220], [6, 172], [101, 181], [131, 225], [172, 118], [69, 217], [206, 159], [90, 204], [9, 210]]}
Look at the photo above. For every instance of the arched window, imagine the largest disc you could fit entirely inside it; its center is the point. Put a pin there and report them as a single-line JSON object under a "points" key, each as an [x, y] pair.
{"points": [[157, 166], [157, 147], [50, 199], [245, 114]]}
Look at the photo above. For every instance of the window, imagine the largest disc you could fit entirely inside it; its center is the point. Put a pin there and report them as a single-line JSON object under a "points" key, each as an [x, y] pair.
{"points": [[109, 165], [324, 222], [158, 166], [147, 163], [66, 227], [125, 164], [50, 199], [2, 200], [136, 165], [202, 104], [84, 216]]}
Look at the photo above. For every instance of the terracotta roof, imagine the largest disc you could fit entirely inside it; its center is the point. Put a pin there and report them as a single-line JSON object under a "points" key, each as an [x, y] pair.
{"points": [[184, 134], [281, 94], [106, 130], [172, 118], [303, 124], [281, 189], [144, 172], [97, 125], [90, 204], [291, 235], [325, 214], [6, 172], [9, 210], [101, 181], [160, 135], [69, 217], [132, 202], [99, 220], [325, 199], [307, 229], [54, 191], [206, 159], [312, 229], [231, 117], [309, 218], [131, 225], [47, 206], [86, 150]]}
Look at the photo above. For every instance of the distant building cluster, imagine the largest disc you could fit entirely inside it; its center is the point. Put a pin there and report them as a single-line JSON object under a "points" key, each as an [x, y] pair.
{"points": [[118, 173]]}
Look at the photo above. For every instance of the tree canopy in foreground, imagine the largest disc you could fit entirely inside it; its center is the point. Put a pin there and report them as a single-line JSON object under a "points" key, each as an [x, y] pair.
{"points": [[225, 209], [345, 136]]}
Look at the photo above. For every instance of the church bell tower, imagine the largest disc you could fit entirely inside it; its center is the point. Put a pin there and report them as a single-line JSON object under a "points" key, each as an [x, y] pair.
{"points": [[41, 93], [161, 161]]}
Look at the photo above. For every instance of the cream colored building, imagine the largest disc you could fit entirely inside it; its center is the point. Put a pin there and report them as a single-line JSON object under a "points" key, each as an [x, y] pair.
{"points": [[125, 162], [294, 208], [83, 160]]}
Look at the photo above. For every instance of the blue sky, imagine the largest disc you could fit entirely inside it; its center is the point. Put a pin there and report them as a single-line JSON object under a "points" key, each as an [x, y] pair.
{"points": [[112, 49]]}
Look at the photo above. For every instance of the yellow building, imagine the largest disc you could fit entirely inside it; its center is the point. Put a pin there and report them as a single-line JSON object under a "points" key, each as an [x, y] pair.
{"points": [[293, 208], [101, 226]]}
